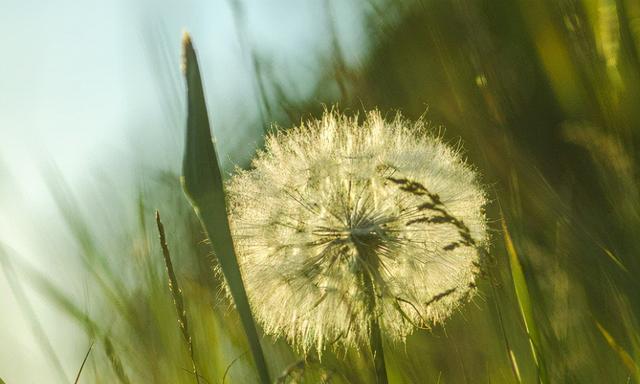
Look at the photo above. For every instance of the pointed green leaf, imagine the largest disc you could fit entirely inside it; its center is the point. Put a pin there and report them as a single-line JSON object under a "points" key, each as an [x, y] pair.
{"points": [[203, 185]]}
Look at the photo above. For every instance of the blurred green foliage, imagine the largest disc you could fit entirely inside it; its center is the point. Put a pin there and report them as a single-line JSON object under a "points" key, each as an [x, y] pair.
{"points": [[543, 94]]}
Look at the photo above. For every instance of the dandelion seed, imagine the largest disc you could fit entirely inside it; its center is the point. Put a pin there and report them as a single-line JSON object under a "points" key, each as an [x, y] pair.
{"points": [[342, 226]]}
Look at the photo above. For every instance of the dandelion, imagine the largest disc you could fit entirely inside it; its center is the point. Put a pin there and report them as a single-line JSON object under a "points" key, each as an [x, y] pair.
{"points": [[348, 232]]}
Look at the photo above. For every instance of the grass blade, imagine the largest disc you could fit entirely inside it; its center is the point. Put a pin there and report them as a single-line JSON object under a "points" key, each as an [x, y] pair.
{"points": [[54, 294], [624, 356], [30, 314], [116, 364], [84, 361], [176, 293], [524, 302], [515, 369], [203, 185]]}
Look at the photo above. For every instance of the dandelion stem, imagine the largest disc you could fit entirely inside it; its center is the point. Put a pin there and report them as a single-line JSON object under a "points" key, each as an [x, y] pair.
{"points": [[369, 261], [377, 351]]}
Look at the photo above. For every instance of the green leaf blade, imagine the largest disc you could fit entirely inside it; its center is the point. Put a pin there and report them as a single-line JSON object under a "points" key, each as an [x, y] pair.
{"points": [[203, 184]]}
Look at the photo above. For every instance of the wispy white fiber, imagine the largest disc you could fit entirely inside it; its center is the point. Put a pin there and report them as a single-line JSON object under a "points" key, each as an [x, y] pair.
{"points": [[322, 192]]}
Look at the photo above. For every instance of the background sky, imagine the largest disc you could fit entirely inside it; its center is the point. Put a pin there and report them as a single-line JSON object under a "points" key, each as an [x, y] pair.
{"points": [[93, 88]]}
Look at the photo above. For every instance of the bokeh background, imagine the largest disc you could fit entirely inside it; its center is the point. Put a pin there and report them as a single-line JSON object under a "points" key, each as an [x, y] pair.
{"points": [[543, 95]]}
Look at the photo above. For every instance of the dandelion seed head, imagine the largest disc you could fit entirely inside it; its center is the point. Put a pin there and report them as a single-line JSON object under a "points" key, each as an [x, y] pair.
{"points": [[334, 202]]}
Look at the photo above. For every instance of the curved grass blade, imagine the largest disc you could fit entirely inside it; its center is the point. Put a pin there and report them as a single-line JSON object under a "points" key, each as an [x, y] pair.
{"points": [[84, 361], [203, 185], [524, 302]]}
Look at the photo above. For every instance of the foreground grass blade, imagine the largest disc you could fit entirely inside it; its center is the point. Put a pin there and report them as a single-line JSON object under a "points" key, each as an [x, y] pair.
{"points": [[203, 185], [524, 302], [176, 293]]}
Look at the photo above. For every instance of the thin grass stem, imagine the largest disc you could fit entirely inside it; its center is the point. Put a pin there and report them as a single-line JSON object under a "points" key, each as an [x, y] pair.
{"points": [[176, 293]]}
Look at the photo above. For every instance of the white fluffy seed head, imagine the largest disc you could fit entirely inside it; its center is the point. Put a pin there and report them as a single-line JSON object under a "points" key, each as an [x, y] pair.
{"points": [[322, 192]]}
